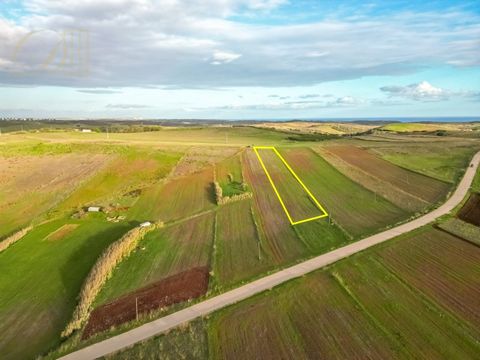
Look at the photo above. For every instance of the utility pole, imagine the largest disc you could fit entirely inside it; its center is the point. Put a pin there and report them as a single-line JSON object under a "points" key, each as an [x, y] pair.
{"points": [[136, 308]]}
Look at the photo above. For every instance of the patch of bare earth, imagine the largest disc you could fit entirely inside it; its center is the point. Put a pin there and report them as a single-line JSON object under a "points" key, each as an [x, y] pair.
{"points": [[470, 212], [180, 287], [61, 232]]}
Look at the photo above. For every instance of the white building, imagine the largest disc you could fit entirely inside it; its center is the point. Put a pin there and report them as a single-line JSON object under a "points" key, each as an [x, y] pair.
{"points": [[94, 208], [146, 224], [86, 130]]}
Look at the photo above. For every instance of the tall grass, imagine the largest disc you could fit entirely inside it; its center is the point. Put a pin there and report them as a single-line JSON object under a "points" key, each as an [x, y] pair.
{"points": [[222, 200], [14, 238], [101, 272]]}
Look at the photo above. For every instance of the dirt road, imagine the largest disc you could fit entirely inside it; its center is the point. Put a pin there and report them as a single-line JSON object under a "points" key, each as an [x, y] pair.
{"points": [[205, 307]]}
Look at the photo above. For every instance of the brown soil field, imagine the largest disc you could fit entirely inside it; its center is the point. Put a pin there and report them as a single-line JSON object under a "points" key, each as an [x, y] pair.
{"points": [[441, 266], [383, 188], [470, 212], [61, 232], [174, 289], [282, 242], [423, 187], [297, 201]]}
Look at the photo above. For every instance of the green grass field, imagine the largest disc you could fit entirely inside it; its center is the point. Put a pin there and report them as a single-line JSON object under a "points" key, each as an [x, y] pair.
{"points": [[41, 278], [163, 252], [462, 229], [177, 199], [357, 210], [131, 171], [240, 252], [284, 242], [442, 163], [187, 342], [229, 176], [362, 307], [164, 176]]}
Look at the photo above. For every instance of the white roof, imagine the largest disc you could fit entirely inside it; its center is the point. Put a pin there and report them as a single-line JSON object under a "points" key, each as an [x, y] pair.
{"points": [[145, 224]]}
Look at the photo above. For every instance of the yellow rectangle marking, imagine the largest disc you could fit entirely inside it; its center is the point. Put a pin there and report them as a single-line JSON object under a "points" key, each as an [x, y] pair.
{"points": [[324, 212]]}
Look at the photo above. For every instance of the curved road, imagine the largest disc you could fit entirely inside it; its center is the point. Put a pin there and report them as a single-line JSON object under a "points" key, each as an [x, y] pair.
{"points": [[205, 307]]}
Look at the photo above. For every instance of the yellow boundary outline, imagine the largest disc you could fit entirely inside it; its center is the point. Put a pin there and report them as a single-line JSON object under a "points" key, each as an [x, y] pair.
{"points": [[325, 214]]}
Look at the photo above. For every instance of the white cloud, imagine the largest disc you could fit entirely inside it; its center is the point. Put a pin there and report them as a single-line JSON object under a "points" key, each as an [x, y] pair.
{"points": [[126, 106], [99, 91], [173, 43], [223, 57], [340, 102], [424, 91]]}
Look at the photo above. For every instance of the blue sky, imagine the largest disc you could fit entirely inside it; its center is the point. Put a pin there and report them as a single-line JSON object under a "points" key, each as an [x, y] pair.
{"points": [[239, 59]]}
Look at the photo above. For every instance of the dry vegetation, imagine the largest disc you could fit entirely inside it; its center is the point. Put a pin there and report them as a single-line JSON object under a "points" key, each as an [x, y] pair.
{"points": [[198, 158], [31, 185], [428, 127], [317, 127], [5, 243]]}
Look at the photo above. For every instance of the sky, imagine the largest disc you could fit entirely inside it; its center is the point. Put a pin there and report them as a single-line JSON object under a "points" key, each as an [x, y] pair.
{"points": [[239, 59]]}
